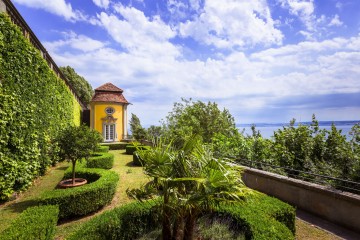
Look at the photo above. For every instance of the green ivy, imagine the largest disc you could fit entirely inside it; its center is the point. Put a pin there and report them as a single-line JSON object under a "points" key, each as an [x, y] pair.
{"points": [[34, 105]]}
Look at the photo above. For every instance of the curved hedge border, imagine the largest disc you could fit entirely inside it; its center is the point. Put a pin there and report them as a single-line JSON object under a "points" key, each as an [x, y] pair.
{"points": [[102, 160], [35, 223], [82, 200], [260, 217], [116, 146], [126, 222]]}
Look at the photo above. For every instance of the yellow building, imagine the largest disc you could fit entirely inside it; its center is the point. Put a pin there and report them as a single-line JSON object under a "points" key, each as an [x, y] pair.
{"points": [[108, 112]]}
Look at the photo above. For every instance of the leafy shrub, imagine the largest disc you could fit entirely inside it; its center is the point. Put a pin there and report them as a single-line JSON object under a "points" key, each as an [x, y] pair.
{"points": [[126, 222], [34, 223], [102, 148], [103, 160], [34, 105], [82, 200], [260, 217]]}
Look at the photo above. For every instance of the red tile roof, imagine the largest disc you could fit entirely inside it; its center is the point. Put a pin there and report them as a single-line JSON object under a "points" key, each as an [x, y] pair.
{"points": [[109, 87], [109, 93]]}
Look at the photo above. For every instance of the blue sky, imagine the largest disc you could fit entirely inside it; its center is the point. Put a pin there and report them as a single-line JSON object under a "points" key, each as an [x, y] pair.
{"points": [[264, 60]]}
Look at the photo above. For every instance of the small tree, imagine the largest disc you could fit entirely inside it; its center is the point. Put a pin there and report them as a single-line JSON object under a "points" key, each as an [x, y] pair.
{"points": [[76, 143], [137, 130]]}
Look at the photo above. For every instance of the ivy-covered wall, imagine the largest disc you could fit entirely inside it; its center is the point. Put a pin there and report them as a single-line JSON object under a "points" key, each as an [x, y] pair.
{"points": [[34, 105]]}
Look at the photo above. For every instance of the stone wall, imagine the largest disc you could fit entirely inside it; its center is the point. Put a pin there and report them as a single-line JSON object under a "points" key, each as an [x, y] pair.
{"points": [[335, 206]]}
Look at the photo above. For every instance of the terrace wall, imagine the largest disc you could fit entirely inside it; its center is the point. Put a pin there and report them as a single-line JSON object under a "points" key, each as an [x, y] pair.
{"points": [[335, 206]]}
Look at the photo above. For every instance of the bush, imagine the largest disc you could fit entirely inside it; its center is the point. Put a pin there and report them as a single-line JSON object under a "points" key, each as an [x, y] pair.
{"points": [[137, 161], [82, 200], [102, 148], [116, 146], [101, 160], [34, 223], [126, 222], [130, 149], [260, 217]]}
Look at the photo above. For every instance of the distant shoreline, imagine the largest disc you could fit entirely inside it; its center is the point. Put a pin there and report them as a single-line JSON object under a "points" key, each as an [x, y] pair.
{"points": [[321, 123]]}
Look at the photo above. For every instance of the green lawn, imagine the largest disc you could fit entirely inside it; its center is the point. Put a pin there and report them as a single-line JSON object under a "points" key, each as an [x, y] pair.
{"points": [[130, 176]]}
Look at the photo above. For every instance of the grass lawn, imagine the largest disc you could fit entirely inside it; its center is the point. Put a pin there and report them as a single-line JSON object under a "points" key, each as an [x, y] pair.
{"points": [[130, 176]]}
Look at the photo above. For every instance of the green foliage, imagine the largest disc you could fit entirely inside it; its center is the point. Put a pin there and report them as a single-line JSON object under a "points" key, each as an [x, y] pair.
{"points": [[100, 160], [116, 146], [138, 132], [34, 105], [35, 223], [126, 222], [262, 217], [137, 160], [102, 148], [77, 142], [79, 201], [154, 133], [190, 118], [190, 181], [131, 148], [81, 87]]}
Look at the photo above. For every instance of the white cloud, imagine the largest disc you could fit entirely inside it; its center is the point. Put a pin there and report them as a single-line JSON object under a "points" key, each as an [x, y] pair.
{"points": [[102, 3], [229, 24], [76, 42], [57, 7], [336, 21], [304, 9], [139, 34]]}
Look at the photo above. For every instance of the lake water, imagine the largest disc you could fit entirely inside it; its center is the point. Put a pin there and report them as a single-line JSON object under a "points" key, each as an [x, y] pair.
{"points": [[267, 129]]}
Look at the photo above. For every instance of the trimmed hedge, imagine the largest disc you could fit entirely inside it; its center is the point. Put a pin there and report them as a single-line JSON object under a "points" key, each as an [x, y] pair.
{"points": [[82, 200], [102, 149], [116, 146], [137, 161], [102, 160], [130, 149], [260, 217], [33, 223], [126, 222]]}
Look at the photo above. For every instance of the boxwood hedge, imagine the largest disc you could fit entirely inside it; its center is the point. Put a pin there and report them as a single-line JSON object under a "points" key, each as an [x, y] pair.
{"points": [[102, 160], [35, 223], [130, 149], [102, 148], [260, 217], [82, 200], [116, 146], [127, 222]]}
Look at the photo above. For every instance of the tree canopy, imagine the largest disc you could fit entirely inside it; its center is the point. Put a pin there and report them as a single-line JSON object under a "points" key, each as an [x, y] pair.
{"points": [[198, 118], [81, 87]]}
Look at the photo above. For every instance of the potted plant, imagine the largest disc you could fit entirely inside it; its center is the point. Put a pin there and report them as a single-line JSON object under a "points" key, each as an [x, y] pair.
{"points": [[77, 143]]}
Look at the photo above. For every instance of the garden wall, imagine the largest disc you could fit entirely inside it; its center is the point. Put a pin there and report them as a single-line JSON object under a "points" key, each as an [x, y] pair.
{"points": [[335, 206]]}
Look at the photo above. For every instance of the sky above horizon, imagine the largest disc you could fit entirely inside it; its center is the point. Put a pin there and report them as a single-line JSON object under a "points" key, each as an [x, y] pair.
{"points": [[263, 60]]}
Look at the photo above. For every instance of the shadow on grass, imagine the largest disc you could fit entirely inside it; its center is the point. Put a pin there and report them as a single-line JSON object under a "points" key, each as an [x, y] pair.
{"points": [[19, 207]]}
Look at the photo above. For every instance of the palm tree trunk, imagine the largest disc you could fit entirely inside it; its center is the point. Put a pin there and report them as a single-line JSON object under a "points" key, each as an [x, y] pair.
{"points": [[189, 233], [178, 228], [166, 219]]}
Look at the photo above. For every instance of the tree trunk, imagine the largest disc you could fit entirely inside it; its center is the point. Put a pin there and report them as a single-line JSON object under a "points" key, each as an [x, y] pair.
{"points": [[189, 233], [178, 228], [166, 219], [73, 171]]}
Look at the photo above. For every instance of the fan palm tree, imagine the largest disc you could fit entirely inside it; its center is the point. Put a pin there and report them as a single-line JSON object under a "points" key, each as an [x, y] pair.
{"points": [[190, 181]]}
